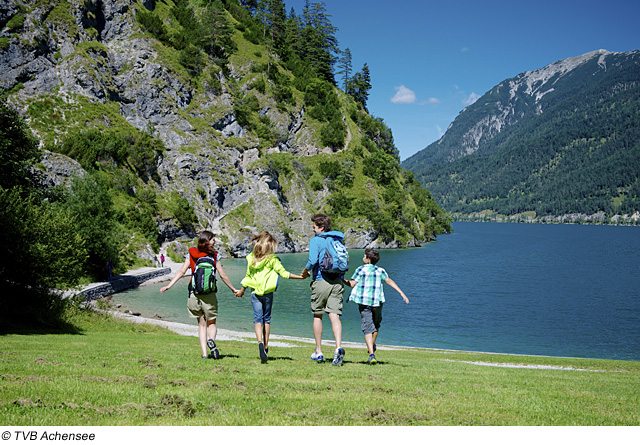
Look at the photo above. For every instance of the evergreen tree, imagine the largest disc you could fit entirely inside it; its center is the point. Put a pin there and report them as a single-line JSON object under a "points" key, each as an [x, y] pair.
{"points": [[272, 15], [344, 66], [359, 85], [216, 32], [290, 48], [318, 41]]}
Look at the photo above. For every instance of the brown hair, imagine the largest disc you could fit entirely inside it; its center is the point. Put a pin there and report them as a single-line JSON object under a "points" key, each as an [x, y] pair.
{"points": [[373, 255], [322, 220], [265, 245], [203, 242]]}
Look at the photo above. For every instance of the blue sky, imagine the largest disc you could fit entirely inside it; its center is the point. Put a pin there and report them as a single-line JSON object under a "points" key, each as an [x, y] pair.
{"points": [[429, 60]]}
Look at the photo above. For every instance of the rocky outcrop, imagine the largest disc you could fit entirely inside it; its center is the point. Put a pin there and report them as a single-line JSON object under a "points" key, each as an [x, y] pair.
{"points": [[88, 64]]}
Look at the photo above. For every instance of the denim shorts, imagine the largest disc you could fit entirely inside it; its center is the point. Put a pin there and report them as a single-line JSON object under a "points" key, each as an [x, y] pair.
{"points": [[262, 307], [371, 318]]}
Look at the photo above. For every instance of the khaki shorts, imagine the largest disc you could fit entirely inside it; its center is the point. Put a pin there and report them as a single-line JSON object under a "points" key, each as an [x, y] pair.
{"points": [[326, 296], [203, 305]]}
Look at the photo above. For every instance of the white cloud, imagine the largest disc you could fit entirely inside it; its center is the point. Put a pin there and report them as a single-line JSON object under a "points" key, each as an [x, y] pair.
{"points": [[471, 99], [431, 101], [403, 95]]}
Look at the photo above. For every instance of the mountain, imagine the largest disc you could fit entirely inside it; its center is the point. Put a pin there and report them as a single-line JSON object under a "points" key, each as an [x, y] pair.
{"points": [[548, 144], [197, 115]]}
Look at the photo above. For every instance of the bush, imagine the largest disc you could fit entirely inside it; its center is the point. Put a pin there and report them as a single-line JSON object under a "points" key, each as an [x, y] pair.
{"points": [[182, 211], [41, 251], [90, 203], [153, 24]]}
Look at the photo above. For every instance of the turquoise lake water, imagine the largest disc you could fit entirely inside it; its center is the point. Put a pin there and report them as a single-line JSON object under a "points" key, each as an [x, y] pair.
{"points": [[557, 290]]}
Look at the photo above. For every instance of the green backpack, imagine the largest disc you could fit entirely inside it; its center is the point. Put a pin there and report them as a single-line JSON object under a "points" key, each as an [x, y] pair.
{"points": [[203, 279]]}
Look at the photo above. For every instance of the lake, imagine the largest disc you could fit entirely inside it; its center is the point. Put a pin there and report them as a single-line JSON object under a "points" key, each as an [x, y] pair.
{"points": [[535, 289]]}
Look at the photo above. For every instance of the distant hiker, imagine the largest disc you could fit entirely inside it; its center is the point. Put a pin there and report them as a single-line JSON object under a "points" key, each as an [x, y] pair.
{"points": [[263, 272], [203, 302], [367, 292], [326, 288], [161, 260]]}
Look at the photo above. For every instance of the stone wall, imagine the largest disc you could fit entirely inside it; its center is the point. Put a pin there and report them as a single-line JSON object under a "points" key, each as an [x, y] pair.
{"points": [[122, 282]]}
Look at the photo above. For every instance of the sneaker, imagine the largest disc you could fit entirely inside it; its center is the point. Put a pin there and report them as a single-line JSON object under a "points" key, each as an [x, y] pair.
{"points": [[263, 352], [317, 357], [337, 357], [374, 347], [205, 356], [215, 354], [372, 359]]}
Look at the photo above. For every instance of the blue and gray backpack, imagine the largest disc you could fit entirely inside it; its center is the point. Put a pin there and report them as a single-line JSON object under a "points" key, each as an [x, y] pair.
{"points": [[335, 261]]}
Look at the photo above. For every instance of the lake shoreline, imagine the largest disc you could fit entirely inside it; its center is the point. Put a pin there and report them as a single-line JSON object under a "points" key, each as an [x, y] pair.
{"points": [[285, 341]]}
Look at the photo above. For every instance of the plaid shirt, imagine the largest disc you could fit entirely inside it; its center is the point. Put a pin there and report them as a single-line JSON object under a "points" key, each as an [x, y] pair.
{"points": [[369, 290]]}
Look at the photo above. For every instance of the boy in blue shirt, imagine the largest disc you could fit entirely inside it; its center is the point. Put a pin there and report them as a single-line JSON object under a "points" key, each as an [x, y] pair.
{"points": [[368, 293], [326, 290]]}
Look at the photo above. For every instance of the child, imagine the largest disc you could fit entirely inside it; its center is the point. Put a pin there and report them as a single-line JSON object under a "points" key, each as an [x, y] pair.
{"points": [[203, 307], [263, 271], [368, 293]]}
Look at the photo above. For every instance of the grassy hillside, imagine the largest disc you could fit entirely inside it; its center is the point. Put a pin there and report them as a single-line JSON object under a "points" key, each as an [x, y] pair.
{"points": [[102, 371]]}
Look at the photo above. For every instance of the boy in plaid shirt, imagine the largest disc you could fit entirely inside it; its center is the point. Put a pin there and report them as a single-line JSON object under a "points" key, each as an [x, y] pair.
{"points": [[368, 293]]}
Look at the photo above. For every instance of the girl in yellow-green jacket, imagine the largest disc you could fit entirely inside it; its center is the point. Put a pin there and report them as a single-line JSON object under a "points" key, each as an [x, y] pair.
{"points": [[263, 272]]}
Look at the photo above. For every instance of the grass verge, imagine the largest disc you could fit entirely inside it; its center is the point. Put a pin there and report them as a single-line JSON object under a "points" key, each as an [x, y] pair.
{"points": [[111, 372]]}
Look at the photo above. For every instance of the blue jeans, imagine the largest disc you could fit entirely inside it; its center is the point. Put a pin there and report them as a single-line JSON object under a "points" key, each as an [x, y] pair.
{"points": [[262, 307]]}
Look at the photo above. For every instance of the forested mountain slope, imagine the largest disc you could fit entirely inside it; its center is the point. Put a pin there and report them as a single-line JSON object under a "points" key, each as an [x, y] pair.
{"points": [[159, 118], [560, 140]]}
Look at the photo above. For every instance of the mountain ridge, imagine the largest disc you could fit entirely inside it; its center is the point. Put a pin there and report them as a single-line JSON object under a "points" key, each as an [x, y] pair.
{"points": [[509, 134]]}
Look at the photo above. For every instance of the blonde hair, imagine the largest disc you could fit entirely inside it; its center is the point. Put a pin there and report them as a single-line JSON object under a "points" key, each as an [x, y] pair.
{"points": [[264, 245]]}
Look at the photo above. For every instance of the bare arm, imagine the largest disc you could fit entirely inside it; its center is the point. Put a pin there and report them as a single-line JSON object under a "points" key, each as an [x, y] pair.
{"points": [[179, 274], [392, 283], [295, 277], [350, 283], [224, 277]]}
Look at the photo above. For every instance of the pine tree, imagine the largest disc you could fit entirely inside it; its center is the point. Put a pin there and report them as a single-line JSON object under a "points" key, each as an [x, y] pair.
{"points": [[359, 85], [216, 32], [319, 44], [344, 66]]}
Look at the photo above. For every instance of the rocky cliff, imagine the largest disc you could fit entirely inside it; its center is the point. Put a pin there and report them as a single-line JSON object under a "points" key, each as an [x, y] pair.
{"points": [[70, 64]]}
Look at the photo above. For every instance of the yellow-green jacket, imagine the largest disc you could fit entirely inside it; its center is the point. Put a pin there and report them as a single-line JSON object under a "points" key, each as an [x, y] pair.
{"points": [[263, 276]]}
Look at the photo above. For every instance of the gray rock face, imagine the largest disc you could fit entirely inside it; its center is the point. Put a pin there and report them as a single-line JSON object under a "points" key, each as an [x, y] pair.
{"points": [[94, 52], [58, 169]]}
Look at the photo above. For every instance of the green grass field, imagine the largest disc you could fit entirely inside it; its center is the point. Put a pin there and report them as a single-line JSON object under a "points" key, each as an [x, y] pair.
{"points": [[111, 372]]}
